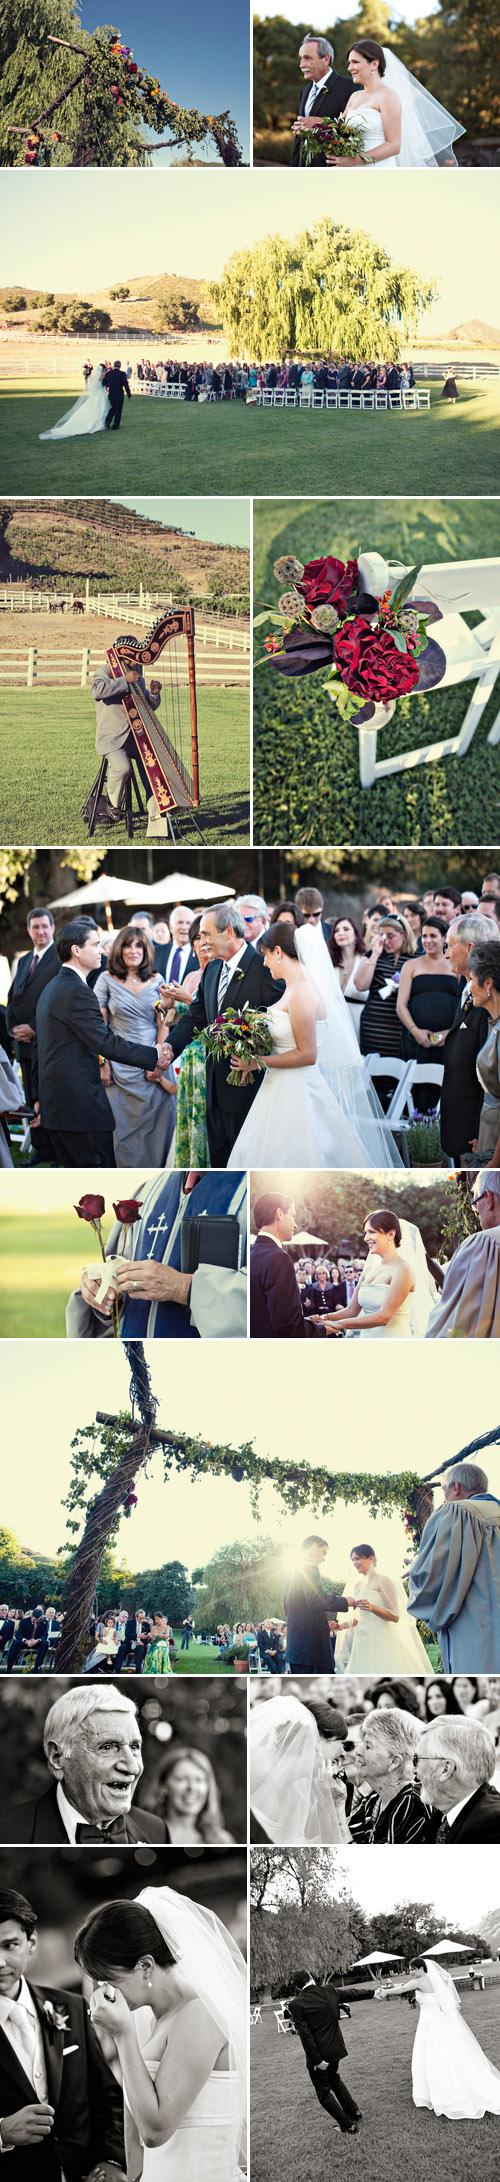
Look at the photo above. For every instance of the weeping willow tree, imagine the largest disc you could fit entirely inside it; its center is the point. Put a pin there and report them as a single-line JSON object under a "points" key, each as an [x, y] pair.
{"points": [[330, 288]]}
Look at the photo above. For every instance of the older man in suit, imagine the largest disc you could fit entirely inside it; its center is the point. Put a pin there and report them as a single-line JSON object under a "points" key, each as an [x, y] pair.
{"points": [[235, 977], [461, 1094], [92, 1743], [315, 2012], [455, 1762], [71, 1034], [61, 2108], [325, 94], [34, 971]]}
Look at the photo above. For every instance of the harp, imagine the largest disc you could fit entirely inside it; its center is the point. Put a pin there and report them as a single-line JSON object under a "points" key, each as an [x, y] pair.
{"points": [[168, 751]]}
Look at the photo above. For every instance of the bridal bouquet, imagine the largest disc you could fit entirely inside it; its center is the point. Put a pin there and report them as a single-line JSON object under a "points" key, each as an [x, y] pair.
{"points": [[338, 138], [234, 1037], [355, 619]]}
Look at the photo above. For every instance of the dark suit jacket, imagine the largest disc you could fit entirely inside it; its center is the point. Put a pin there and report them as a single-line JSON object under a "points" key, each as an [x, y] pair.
{"points": [[41, 1821], [70, 1036], [253, 984], [117, 385], [23, 996], [315, 2013], [331, 101], [461, 1094], [88, 2103], [307, 1607], [480, 1819], [275, 1306]]}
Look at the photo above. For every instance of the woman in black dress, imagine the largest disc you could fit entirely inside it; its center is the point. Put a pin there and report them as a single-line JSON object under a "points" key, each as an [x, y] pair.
{"points": [[378, 975], [450, 390], [428, 994]]}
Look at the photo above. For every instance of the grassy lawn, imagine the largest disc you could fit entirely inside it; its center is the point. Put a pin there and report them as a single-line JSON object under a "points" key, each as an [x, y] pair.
{"points": [[49, 762], [200, 1659], [306, 779], [290, 2134], [226, 448]]}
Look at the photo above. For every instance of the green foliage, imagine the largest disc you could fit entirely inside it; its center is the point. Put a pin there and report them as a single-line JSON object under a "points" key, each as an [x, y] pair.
{"points": [[456, 46], [119, 295], [240, 1581], [75, 317], [181, 314], [100, 120], [330, 287], [12, 300], [335, 1205]]}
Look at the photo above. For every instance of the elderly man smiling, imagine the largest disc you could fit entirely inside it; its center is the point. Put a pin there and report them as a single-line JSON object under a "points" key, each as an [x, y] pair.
{"points": [[92, 1744], [455, 1762]]}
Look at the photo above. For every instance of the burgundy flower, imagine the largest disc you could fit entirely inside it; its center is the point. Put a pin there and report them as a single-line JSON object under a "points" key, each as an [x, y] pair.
{"points": [[305, 650], [127, 1210], [90, 1208], [370, 664], [328, 582]]}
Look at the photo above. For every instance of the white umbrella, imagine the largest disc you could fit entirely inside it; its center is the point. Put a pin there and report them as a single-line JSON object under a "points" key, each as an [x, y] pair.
{"points": [[102, 888], [451, 1947], [178, 886], [303, 1237], [366, 1962]]}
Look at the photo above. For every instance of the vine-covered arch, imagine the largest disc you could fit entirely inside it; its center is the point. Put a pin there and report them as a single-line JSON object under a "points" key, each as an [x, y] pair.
{"points": [[117, 99]]}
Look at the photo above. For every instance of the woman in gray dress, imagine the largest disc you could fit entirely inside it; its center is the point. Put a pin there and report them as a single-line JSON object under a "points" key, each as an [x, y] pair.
{"points": [[143, 1112], [484, 980]]}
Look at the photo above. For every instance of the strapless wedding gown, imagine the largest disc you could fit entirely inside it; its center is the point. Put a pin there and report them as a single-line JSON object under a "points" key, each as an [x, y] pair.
{"points": [[371, 1298], [383, 1647], [450, 2073], [87, 415], [295, 1120], [370, 121], [204, 2147]]}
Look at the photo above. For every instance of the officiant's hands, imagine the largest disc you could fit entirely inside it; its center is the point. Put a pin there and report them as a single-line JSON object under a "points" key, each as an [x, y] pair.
{"points": [[152, 1283]]}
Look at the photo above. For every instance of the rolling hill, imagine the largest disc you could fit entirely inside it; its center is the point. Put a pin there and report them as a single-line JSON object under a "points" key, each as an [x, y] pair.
{"points": [[43, 540]]}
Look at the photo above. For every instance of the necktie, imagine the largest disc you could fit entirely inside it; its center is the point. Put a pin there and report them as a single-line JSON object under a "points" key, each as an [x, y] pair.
{"points": [[33, 966], [25, 2039], [117, 1831], [443, 1833], [175, 966], [223, 984]]}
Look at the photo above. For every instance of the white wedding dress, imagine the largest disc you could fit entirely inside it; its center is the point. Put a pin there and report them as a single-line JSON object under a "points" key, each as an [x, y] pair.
{"points": [[450, 2073], [381, 1647], [87, 415], [428, 131], [326, 1114], [204, 2147], [370, 121]]}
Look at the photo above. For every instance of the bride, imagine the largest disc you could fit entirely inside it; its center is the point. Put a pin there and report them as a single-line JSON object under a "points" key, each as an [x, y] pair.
{"points": [[396, 1292], [383, 1640], [403, 125], [451, 2074], [170, 1985], [314, 1107], [291, 1796], [88, 414]]}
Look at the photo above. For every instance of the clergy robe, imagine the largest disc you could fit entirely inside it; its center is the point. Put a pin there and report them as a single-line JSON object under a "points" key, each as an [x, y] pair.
{"points": [[469, 1305], [454, 1583], [217, 1304]]}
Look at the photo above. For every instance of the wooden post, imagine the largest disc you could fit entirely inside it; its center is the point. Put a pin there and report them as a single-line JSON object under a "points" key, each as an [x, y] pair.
{"points": [[31, 667], [85, 666]]}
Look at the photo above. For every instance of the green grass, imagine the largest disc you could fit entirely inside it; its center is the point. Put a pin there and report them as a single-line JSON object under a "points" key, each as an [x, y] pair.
{"points": [[290, 2134], [48, 763], [40, 1262], [306, 777], [225, 448], [200, 1659]]}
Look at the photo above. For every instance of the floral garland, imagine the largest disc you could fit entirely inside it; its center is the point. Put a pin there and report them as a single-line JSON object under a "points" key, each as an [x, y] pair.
{"points": [[353, 618], [112, 77], [342, 139]]}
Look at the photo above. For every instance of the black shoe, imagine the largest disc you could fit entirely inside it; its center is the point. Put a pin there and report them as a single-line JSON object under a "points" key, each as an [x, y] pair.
{"points": [[351, 2130], [108, 811]]}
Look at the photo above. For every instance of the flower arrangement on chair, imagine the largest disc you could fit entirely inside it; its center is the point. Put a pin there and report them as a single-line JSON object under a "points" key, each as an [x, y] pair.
{"points": [[360, 621]]}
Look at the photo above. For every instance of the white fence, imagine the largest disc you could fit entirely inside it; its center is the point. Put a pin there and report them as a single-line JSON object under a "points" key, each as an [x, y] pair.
{"points": [[220, 662], [17, 598]]}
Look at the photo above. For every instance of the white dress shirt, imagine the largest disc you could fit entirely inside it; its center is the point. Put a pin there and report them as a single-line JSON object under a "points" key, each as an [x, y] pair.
{"points": [[70, 1818], [35, 2071], [235, 961], [184, 952], [315, 89]]}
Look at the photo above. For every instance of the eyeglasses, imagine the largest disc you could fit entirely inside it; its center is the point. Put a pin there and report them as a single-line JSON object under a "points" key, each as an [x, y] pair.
{"points": [[312, 916]]}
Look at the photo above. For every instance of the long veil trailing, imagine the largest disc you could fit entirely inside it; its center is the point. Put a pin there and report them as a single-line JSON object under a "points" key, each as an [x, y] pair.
{"points": [[88, 414], [214, 1967], [426, 127], [290, 1792], [425, 1294], [443, 1987], [339, 1057]]}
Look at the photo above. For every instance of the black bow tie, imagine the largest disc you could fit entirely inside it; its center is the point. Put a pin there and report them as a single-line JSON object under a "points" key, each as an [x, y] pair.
{"points": [[117, 1831]]}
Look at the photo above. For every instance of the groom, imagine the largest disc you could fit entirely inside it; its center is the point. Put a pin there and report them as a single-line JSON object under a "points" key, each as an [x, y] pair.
{"points": [[324, 95], [235, 977], [117, 385], [61, 2108], [307, 1607], [315, 2012]]}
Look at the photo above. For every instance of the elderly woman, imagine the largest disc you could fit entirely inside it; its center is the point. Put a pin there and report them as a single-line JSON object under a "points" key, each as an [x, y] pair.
{"points": [[188, 1798], [392, 1810]]}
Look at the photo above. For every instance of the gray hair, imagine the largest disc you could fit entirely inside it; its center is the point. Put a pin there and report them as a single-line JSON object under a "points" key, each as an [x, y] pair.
{"points": [[259, 907], [472, 926], [70, 1712], [470, 1745], [226, 916], [486, 1178], [400, 1730], [323, 44], [467, 1474]]}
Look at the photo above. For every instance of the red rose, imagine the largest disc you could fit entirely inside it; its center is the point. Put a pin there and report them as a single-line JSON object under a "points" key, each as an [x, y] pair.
{"points": [[90, 1208], [370, 664], [127, 1210], [328, 582]]}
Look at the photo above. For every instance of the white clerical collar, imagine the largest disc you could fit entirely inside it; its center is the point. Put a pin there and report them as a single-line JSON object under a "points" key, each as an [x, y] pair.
{"points": [[23, 1999], [70, 1818]]}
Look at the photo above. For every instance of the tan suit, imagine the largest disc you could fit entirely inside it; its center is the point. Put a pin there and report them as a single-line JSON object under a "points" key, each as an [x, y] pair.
{"points": [[113, 732]]}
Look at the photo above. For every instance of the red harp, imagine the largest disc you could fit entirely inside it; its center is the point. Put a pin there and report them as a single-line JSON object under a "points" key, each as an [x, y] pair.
{"points": [[169, 751]]}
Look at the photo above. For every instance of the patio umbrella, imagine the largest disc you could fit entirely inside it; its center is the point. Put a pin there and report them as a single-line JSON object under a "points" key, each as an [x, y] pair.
{"points": [[102, 888], [179, 886]]}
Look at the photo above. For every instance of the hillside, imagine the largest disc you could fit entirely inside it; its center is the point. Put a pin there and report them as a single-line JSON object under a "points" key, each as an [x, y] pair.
{"points": [[66, 541], [134, 314], [474, 329], [490, 1929]]}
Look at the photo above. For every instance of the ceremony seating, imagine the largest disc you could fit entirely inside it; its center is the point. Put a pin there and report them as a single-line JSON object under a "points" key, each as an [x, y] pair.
{"points": [[471, 655]]}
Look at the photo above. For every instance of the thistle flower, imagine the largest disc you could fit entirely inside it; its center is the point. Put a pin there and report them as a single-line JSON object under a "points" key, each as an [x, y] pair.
{"points": [[325, 617], [288, 569], [291, 603]]}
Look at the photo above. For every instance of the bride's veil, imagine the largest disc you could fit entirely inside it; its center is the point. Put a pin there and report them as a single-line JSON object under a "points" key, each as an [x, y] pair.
{"points": [[213, 1965], [443, 1987], [339, 1056], [290, 1792], [426, 127], [425, 1293]]}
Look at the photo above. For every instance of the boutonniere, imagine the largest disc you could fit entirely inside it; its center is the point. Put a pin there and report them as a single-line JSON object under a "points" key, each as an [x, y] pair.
{"points": [[55, 2018]]}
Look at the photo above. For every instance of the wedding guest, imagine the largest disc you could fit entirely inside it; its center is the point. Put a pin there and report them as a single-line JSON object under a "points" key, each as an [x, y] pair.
{"points": [[311, 904], [191, 1140], [188, 1797], [33, 972], [346, 947], [253, 910], [454, 1581], [393, 1810], [180, 960], [60, 2121], [143, 1112], [456, 1761], [484, 978], [428, 993], [378, 977], [461, 1092], [275, 1304], [158, 1656], [466, 1690], [285, 913], [447, 902], [469, 1305], [159, 1300], [70, 1037], [389, 1694], [440, 1700], [92, 1744]]}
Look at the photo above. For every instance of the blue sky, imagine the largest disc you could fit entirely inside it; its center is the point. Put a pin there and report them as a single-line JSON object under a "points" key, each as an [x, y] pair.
{"points": [[202, 59], [84, 231], [223, 522]]}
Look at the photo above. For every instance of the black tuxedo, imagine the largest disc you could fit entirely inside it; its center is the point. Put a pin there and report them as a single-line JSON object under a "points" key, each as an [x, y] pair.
{"points": [[166, 952], [275, 1306], [117, 385], [21, 1008], [328, 103], [70, 1036], [315, 2014], [88, 2104], [227, 1104], [480, 1818], [307, 1606], [41, 1821], [461, 1094]]}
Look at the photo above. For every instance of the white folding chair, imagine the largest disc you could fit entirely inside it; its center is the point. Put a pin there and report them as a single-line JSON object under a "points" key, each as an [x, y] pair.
{"points": [[423, 1072], [368, 399], [318, 400], [395, 399], [291, 397], [332, 397], [305, 397], [381, 399], [344, 397], [422, 397], [267, 397], [255, 2017], [281, 2020], [279, 397]]}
